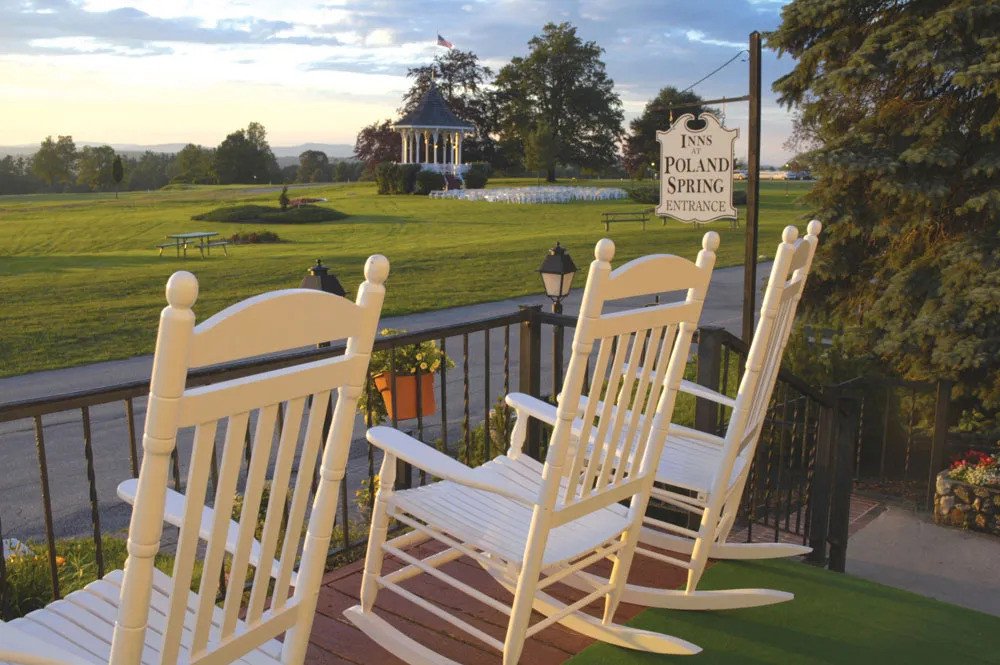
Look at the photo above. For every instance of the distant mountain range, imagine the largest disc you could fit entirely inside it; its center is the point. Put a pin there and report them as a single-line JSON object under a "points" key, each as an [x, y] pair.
{"points": [[332, 150]]}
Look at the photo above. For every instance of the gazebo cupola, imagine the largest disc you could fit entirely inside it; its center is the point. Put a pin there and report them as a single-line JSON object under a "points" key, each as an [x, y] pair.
{"points": [[432, 134]]}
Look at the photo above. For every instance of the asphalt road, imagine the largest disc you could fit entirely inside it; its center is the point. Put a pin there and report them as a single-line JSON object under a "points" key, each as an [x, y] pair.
{"points": [[21, 512]]}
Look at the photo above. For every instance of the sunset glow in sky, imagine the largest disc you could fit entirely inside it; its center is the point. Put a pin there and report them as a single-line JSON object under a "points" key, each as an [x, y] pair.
{"points": [[175, 71]]}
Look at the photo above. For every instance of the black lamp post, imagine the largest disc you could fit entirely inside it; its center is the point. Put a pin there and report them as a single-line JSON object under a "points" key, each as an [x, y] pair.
{"points": [[319, 277], [557, 273]]}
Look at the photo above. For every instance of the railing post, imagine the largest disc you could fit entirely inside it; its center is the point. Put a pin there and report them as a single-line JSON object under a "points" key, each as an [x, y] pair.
{"points": [[819, 499], [938, 443], [530, 369], [846, 413], [706, 412]]}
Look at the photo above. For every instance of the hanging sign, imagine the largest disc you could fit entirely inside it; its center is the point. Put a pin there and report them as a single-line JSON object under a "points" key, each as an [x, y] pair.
{"points": [[696, 170]]}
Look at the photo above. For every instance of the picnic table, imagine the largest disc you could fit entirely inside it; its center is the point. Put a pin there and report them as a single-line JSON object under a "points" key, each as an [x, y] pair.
{"points": [[198, 239]]}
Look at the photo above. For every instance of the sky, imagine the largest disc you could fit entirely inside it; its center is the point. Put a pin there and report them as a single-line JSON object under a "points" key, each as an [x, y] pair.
{"points": [[178, 71]]}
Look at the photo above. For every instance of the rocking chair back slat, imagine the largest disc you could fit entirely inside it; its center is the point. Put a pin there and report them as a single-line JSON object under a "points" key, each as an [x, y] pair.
{"points": [[278, 493], [261, 416]]}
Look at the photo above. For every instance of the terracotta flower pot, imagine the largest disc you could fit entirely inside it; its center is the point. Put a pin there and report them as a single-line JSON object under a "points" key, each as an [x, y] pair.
{"points": [[405, 396]]}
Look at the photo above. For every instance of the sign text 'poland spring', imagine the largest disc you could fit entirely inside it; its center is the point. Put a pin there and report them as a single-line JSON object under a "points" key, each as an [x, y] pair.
{"points": [[696, 170]]}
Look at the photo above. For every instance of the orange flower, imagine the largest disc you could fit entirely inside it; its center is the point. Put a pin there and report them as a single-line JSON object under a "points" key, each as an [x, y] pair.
{"points": [[60, 560]]}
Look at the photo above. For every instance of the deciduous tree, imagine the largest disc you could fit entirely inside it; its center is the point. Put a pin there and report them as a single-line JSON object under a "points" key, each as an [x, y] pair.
{"points": [[94, 168], [55, 161], [314, 166], [378, 143], [903, 101], [195, 164], [245, 157], [562, 83]]}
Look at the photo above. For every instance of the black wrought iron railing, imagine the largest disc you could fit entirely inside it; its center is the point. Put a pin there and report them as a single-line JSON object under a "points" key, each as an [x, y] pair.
{"points": [[65, 454]]}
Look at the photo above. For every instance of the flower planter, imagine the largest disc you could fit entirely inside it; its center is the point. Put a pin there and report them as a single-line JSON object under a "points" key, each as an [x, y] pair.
{"points": [[972, 507], [405, 396]]}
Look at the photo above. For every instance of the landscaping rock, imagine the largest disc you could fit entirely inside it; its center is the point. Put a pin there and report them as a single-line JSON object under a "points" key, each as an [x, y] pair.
{"points": [[967, 506]]}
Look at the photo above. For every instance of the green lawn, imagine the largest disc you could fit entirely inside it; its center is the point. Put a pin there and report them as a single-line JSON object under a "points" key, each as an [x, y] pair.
{"points": [[834, 619], [80, 279]]}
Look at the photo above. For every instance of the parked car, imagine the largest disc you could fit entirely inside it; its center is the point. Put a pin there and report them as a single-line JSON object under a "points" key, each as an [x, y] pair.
{"points": [[740, 175]]}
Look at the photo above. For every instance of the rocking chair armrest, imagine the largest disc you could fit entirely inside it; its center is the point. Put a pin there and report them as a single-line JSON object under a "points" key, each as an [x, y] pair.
{"points": [[419, 454], [25, 649], [532, 406], [698, 390], [173, 513]]}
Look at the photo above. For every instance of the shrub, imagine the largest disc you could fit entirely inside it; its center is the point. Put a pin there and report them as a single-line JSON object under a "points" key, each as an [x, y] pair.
{"points": [[253, 237], [427, 182], [477, 175], [249, 214], [740, 197], [28, 585], [283, 199], [393, 178], [474, 453], [644, 192]]}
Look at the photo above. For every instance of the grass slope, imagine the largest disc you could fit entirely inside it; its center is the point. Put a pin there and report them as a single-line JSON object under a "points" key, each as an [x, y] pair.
{"points": [[80, 280], [834, 619]]}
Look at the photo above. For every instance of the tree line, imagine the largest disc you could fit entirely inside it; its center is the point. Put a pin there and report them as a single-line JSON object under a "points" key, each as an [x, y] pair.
{"points": [[243, 157], [553, 110]]}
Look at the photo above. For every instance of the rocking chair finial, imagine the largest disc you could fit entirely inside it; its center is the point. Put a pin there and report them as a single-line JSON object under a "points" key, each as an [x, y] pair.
{"points": [[605, 250], [182, 290], [376, 269]]}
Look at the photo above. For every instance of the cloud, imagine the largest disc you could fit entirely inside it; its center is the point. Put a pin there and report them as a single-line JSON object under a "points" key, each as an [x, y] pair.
{"points": [[30, 27], [364, 47]]}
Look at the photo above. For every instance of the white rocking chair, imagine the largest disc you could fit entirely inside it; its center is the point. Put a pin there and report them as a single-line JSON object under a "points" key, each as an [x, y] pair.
{"points": [[530, 524], [712, 471], [142, 615]]}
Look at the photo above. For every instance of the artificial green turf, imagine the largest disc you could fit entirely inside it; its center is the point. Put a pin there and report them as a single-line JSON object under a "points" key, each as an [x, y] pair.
{"points": [[80, 279], [834, 619]]}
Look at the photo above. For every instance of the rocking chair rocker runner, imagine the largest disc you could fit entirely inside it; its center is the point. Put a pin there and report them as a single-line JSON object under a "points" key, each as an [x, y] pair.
{"points": [[706, 474], [530, 524], [144, 616]]}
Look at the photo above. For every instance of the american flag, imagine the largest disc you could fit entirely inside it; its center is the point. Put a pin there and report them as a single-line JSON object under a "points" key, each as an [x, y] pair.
{"points": [[444, 42]]}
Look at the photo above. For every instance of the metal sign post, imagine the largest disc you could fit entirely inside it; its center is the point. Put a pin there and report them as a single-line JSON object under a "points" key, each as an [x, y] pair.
{"points": [[753, 192], [753, 180]]}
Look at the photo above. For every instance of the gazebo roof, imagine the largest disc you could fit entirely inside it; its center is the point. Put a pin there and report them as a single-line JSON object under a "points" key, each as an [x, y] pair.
{"points": [[432, 112]]}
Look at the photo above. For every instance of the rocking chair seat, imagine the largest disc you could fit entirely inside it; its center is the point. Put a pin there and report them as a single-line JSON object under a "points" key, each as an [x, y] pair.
{"points": [[691, 464], [500, 525], [82, 623]]}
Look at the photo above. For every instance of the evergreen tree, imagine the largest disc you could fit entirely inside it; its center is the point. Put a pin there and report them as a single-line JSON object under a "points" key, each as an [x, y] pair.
{"points": [[117, 172], [641, 148], [562, 83], [903, 101]]}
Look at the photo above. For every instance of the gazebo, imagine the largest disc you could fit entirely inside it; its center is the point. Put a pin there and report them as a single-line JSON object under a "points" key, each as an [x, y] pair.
{"points": [[433, 124]]}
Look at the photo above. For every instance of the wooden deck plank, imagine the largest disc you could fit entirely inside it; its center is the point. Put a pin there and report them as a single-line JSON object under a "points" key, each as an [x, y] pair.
{"points": [[335, 641]]}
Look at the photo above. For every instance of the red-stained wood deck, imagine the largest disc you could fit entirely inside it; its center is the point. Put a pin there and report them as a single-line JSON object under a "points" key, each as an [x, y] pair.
{"points": [[335, 640]]}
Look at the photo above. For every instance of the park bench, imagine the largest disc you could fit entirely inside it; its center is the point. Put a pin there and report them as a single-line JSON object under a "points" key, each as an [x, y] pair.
{"points": [[626, 216]]}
